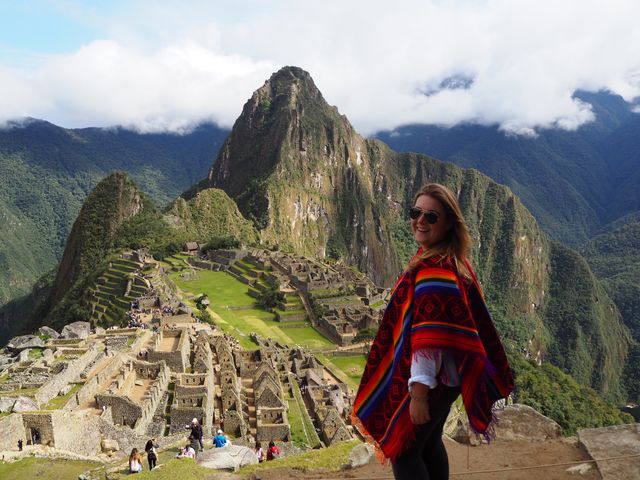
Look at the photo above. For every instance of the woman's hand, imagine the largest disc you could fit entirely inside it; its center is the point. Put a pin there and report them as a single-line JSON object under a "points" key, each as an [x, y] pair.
{"points": [[419, 406]]}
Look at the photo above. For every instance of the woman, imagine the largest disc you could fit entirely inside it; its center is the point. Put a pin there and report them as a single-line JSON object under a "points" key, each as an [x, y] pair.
{"points": [[273, 451], [259, 452], [135, 461], [152, 453], [435, 341]]}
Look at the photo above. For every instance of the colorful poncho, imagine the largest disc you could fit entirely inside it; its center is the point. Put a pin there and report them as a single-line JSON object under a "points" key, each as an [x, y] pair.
{"points": [[431, 307]]}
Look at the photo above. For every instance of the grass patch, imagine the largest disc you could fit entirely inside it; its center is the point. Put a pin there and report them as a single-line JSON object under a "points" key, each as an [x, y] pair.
{"points": [[60, 401], [44, 469], [329, 459], [298, 437], [307, 423], [35, 353], [352, 366], [349, 376], [225, 293]]}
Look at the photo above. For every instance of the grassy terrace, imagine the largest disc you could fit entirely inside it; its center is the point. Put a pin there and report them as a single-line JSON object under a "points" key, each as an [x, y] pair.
{"points": [[57, 403], [227, 295], [308, 429], [349, 368]]}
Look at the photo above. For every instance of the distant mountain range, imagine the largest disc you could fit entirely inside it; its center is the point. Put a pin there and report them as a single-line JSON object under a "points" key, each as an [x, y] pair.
{"points": [[46, 172], [574, 183]]}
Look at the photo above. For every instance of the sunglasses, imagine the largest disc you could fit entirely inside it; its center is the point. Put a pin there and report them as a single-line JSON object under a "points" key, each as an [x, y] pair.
{"points": [[430, 217]]}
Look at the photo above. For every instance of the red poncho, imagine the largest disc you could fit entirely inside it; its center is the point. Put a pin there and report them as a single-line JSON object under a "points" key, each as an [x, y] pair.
{"points": [[431, 307]]}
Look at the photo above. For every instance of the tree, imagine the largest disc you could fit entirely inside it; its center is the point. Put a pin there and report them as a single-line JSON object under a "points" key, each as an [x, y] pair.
{"points": [[366, 336]]}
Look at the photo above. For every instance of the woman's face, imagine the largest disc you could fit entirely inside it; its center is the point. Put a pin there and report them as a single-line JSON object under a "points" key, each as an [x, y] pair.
{"points": [[427, 234]]}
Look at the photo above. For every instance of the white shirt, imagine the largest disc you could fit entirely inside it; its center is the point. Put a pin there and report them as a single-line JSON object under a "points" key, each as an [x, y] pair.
{"points": [[427, 362]]}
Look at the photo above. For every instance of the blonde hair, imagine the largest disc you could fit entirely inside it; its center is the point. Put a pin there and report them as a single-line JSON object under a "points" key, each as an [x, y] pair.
{"points": [[457, 240]]}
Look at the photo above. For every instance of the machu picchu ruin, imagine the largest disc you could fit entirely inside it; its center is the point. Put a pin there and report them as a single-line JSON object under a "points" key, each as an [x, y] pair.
{"points": [[147, 363]]}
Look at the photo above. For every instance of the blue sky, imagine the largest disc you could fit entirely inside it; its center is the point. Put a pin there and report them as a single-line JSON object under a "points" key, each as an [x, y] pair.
{"points": [[168, 65]]}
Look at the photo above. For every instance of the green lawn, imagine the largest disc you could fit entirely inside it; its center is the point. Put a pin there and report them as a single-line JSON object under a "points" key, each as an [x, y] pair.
{"points": [[298, 437], [348, 369], [31, 468], [226, 292], [329, 459]]}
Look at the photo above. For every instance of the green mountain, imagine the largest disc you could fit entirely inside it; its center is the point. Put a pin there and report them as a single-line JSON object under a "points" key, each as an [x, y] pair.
{"points": [[614, 256], [311, 184], [574, 182], [46, 172]]}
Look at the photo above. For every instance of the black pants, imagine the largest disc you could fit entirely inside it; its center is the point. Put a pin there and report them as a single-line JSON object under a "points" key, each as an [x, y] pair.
{"points": [[427, 458], [152, 461]]}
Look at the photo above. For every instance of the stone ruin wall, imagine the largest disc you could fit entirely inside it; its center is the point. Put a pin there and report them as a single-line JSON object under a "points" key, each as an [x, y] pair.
{"points": [[193, 398], [52, 388], [125, 411], [91, 386], [177, 360], [272, 424]]}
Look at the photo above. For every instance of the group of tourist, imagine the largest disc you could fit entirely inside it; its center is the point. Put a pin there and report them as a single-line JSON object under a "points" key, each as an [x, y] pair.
{"points": [[272, 452]]}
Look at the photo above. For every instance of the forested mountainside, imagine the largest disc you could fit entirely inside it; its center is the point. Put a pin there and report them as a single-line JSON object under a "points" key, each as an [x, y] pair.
{"points": [[614, 256], [46, 172], [574, 182], [310, 183]]}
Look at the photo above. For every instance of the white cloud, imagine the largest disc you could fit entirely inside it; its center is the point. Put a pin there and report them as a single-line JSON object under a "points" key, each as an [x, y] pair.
{"points": [[169, 68]]}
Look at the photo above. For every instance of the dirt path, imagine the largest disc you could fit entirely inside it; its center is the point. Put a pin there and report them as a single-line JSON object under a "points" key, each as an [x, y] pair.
{"points": [[502, 458]]}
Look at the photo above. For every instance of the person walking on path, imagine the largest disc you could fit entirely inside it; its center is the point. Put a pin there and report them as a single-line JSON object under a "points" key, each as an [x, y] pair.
{"points": [[196, 432], [152, 453], [435, 341]]}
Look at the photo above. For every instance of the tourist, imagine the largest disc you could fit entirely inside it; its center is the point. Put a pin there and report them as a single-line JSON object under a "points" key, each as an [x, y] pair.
{"points": [[436, 339], [259, 452], [181, 453], [135, 462], [196, 432], [273, 451], [220, 440], [152, 453], [20, 445], [189, 451]]}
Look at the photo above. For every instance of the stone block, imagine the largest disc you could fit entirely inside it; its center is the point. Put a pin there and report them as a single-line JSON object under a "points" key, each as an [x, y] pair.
{"points": [[50, 332], [360, 455], [231, 458], [109, 446], [6, 404], [25, 404], [22, 342], [76, 330], [521, 422]]}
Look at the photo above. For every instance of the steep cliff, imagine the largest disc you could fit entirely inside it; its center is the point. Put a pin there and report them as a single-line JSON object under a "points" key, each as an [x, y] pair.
{"points": [[113, 201]]}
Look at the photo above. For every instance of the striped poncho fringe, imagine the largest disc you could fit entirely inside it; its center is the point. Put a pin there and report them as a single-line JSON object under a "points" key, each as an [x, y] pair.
{"points": [[430, 307]]}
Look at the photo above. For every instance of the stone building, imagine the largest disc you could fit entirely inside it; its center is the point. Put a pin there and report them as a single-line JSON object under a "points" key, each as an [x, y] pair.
{"points": [[135, 393], [193, 398], [173, 347]]}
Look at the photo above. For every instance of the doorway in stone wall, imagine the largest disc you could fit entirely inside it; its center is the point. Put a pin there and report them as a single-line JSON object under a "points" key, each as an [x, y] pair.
{"points": [[36, 438]]}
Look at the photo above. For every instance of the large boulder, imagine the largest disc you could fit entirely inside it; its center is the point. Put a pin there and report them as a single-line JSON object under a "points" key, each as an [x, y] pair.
{"points": [[76, 330], [521, 422], [24, 404], [360, 455], [230, 458], [6, 404], [22, 342], [49, 332], [109, 446]]}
